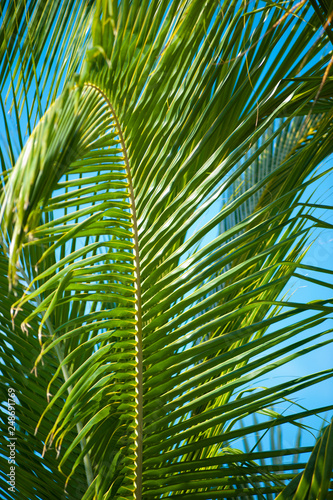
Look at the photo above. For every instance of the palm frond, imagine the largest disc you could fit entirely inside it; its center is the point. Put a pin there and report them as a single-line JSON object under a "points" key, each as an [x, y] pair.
{"points": [[146, 346]]}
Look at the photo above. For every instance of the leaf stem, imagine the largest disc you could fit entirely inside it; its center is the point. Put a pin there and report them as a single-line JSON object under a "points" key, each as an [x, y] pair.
{"points": [[139, 356]]}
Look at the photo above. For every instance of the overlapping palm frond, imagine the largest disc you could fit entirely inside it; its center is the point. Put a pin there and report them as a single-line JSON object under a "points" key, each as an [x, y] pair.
{"points": [[139, 331]]}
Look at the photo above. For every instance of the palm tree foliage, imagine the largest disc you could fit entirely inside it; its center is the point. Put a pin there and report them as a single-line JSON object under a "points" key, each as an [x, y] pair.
{"points": [[136, 318]]}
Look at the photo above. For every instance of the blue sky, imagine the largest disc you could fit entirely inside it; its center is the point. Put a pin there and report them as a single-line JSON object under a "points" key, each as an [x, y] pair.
{"points": [[319, 254]]}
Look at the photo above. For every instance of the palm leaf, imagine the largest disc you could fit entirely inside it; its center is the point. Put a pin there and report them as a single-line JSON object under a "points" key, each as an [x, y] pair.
{"points": [[148, 338]]}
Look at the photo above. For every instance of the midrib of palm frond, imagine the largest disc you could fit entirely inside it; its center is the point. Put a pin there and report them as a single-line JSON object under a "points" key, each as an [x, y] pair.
{"points": [[138, 307]]}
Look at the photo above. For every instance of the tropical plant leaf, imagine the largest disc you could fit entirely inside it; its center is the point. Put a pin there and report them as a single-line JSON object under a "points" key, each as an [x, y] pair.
{"points": [[140, 319]]}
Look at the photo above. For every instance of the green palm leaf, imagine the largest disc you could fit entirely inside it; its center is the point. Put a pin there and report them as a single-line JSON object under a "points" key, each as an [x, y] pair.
{"points": [[142, 317]]}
